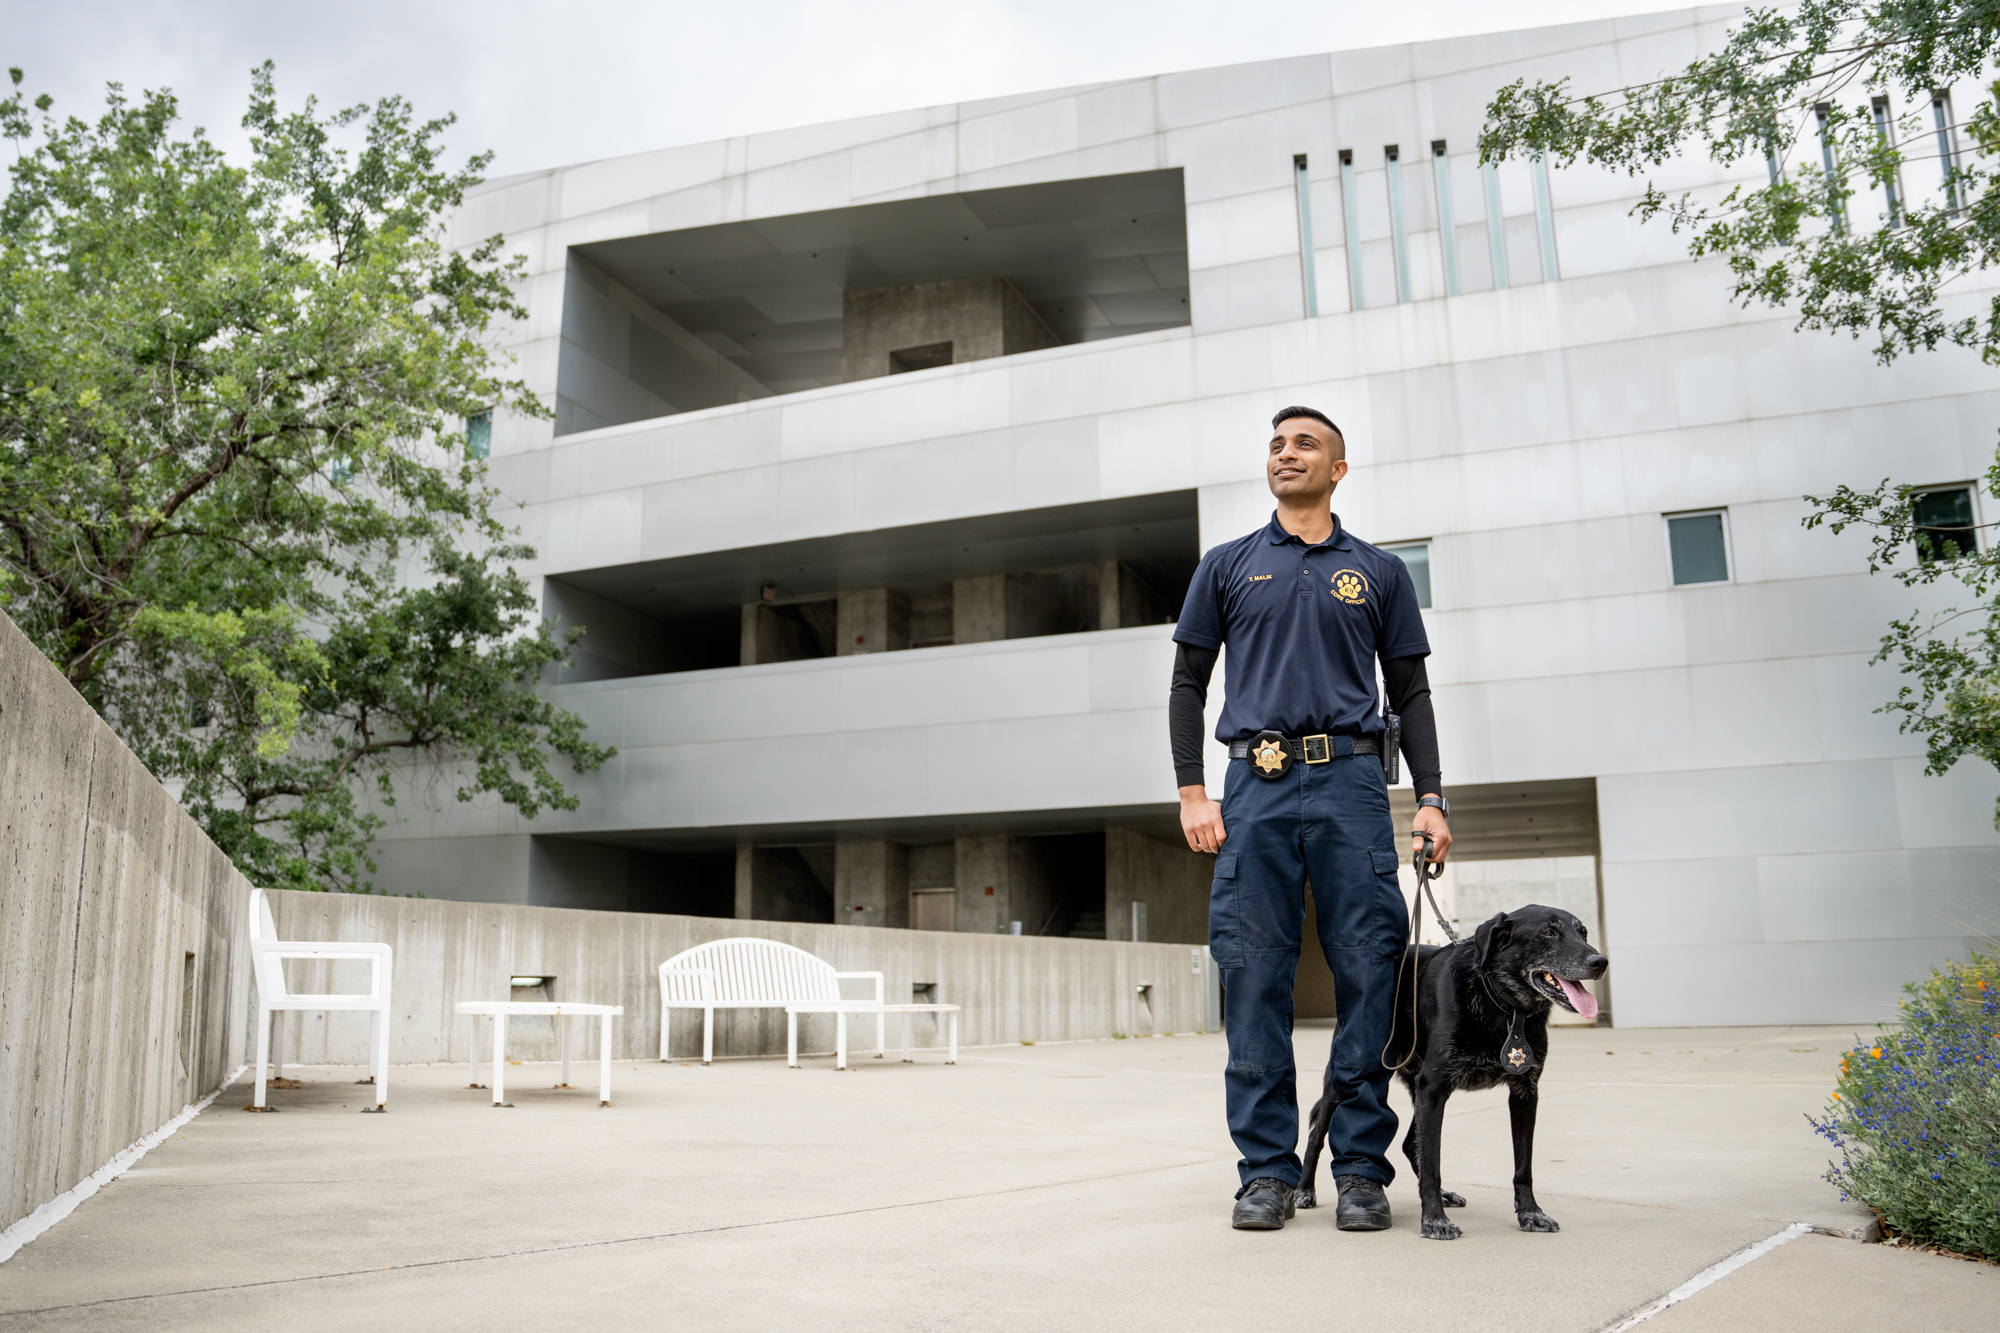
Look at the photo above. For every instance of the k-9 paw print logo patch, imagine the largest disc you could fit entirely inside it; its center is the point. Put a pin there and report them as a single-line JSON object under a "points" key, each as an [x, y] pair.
{"points": [[1351, 586]]}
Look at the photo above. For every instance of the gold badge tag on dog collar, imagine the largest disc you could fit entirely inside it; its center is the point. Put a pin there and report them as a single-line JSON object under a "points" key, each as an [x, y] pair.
{"points": [[1516, 1056]]}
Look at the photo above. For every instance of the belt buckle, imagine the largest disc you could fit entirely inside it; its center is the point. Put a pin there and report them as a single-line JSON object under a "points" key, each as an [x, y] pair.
{"points": [[1325, 744]]}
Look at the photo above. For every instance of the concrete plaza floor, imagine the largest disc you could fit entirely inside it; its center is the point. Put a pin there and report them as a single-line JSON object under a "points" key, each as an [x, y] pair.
{"points": [[1028, 1187]]}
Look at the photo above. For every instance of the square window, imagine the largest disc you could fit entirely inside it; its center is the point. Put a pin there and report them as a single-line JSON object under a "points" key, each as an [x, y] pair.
{"points": [[1946, 527], [1416, 557], [1699, 547], [479, 435]]}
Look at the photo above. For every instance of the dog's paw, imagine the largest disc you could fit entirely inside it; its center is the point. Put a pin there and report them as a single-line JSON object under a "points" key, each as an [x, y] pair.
{"points": [[1440, 1228], [1307, 1198], [1451, 1200], [1537, 1222]]}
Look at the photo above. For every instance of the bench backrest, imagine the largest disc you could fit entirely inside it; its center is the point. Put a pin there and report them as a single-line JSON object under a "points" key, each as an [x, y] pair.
{"points": [[747, 971], [263, 937]]}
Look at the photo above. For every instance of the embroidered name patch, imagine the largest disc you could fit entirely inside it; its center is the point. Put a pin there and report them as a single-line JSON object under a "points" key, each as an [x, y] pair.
{"points": [[1259, 578]]}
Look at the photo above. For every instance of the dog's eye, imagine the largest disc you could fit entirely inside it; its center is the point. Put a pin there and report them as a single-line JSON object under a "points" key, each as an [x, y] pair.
{"points": [[1551, 932]]}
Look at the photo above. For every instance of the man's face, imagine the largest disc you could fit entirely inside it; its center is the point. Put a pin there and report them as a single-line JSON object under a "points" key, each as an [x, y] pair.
{"points": [[1306, 460]]}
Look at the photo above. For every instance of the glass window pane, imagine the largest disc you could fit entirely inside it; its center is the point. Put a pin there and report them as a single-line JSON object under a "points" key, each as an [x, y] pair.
{"points": [[1696, 543], [479, 435], [1417, 558], [1944, 522]]}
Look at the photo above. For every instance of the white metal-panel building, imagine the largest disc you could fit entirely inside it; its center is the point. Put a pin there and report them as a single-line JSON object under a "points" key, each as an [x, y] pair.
{"points": [[882, 451]]}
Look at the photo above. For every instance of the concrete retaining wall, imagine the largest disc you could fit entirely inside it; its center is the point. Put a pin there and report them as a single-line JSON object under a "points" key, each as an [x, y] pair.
{"points": [[123, 984], [126, 993], [1014, 988]]}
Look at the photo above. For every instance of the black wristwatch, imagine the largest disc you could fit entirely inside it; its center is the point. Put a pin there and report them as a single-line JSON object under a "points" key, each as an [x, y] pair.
{"points": [[1437, 803]]}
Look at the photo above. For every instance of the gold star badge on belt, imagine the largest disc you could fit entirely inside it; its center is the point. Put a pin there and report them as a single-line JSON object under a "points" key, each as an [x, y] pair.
{"points": [[1268, 755]]}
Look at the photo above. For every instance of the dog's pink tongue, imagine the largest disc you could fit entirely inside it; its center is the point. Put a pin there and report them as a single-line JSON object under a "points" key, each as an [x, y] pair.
{"points": [[1582, 1000]]}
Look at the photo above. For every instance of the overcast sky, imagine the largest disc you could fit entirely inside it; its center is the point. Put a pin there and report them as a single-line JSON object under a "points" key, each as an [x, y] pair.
{"points": [[546, 84]]}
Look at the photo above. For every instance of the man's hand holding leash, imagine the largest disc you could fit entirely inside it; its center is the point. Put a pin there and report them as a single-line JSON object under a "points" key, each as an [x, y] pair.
{"points": [[1429, 820]]}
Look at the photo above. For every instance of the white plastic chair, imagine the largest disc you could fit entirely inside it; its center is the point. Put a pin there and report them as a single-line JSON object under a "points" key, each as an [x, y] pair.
{"points": [[267, 955]]}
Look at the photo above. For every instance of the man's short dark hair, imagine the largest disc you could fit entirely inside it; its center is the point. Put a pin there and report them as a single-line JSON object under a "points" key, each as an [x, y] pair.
{"points": [[1311, 413]]}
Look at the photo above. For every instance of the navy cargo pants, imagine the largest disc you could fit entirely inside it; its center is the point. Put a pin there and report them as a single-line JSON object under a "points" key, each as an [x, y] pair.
{"points": [[1327, 823]]}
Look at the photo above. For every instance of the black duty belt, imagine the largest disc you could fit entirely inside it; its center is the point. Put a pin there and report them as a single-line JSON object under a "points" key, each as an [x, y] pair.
{"points": [[1271, 755]]}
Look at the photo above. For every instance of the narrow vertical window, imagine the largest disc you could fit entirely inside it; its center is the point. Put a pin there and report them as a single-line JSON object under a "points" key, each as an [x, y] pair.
{"points": [[1416, 557], [1447, 225], [1545, 218], [1306, 234], [1397, 236], [1885, 134], [1699, 547], [1496, 229], [1947, 159], [1834, 213], [1350, 207], [479, 435], [1771, 165]]}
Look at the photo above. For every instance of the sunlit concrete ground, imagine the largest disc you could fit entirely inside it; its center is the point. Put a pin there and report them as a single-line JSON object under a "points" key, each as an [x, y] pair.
{"points": [[1027, 1187]]}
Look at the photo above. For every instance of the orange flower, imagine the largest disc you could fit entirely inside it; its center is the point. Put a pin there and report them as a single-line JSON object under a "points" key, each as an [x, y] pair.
{"points": [[1877, 1052]]}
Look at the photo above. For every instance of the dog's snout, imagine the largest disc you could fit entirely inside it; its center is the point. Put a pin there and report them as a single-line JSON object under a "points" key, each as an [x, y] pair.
{"points": [[1597, 962]]}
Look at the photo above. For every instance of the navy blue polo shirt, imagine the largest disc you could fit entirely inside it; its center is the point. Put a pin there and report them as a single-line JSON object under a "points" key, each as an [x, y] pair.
{"points": [[1303, 625]]}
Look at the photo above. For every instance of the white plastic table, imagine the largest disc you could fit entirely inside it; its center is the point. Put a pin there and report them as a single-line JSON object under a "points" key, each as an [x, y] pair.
{"points": [[501, 1010], [906, 1010], [842, 1008]]}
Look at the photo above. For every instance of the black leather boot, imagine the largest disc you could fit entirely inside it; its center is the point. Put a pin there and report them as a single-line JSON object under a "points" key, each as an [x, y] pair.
{"points": [[1265, 1204], [1362, 1207]]}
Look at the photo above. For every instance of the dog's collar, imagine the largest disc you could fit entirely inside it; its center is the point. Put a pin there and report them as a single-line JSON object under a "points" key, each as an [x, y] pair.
{"points": [[1516, 1055]]}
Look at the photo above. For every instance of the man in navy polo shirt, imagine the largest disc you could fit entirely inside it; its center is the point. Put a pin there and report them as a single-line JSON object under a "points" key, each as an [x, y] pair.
{"points": [[1306, 610]]}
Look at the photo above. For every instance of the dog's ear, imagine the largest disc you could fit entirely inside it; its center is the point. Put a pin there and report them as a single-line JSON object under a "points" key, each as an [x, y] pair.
{"points": [[1492, 933]]}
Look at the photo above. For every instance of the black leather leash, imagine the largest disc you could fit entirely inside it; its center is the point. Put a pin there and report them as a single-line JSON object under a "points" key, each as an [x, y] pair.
{"points": [[1426, 871]]}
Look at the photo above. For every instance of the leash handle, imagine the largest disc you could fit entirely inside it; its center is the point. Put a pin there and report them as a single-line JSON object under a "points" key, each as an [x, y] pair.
{"points": [[1428, 870]]}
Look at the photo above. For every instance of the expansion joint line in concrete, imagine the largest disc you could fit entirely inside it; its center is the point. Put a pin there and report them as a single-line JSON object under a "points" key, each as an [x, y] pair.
{"points": [[583, 1244], [56, 1209], [75, 965], [1710, 1275]]}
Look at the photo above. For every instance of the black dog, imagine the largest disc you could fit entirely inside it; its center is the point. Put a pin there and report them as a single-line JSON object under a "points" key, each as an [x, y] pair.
{"points": [[1482, 1012]]}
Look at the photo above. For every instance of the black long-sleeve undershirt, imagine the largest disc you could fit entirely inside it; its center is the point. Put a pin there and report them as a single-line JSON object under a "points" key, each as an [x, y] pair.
{"points": [[1406, 683]]}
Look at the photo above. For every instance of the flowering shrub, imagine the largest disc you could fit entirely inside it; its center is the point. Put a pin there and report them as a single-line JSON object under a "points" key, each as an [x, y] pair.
{"points": [[1917, 1113]]}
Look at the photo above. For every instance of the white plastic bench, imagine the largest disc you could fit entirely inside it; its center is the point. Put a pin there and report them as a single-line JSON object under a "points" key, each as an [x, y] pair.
{"points": [[267, 955], [755, 973]]}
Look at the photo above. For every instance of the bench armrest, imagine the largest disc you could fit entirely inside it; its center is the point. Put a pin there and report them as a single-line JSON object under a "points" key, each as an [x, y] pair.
{"points": [[705, 974], [379, 957], [291, 950], [863, 976]]}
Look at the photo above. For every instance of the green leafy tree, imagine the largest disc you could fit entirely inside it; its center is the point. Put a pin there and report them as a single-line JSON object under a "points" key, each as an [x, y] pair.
{"points": [[236, 507], [1807, 99]]}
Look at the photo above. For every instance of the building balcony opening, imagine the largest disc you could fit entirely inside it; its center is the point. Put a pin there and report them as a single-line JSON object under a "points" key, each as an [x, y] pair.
{"points": [[677, 321], [1069, 569], [928, 357]]}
